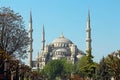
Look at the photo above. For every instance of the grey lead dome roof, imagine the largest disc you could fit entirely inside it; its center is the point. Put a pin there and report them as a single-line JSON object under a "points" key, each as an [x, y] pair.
{"points": [[62, 39]]}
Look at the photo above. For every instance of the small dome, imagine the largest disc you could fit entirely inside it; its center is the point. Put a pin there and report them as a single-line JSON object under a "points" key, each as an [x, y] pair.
{"points": [[62, 39], [79, 56]]}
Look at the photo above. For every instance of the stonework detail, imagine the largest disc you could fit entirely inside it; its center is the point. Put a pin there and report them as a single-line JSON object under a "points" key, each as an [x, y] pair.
{"points": [[60, 48]]}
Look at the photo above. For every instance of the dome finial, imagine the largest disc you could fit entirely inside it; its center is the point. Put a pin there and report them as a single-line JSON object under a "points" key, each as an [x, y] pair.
{"points": [[62, 36]]}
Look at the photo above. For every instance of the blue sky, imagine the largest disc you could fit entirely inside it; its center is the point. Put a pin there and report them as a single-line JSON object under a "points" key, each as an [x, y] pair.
{"points": [[69, 17]]}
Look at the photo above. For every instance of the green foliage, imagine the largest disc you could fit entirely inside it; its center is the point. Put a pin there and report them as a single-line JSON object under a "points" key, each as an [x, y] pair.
{"points": [[68, 67], [86, 67], [103, 72], [89, 56], [57, 68], [113, 63], [109, 67]]}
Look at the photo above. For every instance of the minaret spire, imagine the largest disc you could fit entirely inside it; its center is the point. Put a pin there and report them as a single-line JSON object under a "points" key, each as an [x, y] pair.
{"points": [[88, 36], [43, 38], [30, 17], [30, 49]]}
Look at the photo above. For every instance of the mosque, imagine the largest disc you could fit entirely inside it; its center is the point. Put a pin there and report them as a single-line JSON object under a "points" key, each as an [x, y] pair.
{"points": [[60, 48]]}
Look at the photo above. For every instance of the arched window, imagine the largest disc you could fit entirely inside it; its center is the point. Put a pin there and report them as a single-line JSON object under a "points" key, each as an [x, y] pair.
{"points": [[63, 45]]}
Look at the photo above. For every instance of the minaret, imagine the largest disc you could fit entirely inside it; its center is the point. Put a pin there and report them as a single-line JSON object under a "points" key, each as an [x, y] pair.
{"points": [[88, 37], [43, 38], [38, 63], [30, 49]]}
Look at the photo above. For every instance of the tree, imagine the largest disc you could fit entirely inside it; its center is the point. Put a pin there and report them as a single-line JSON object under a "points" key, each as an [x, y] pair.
{"points": [[86, 67], [80, 66], [57, 68], [53, 69], [68, 67], [109, 67], [89, 56], [113, 63], [13, 36], [103, 72]]}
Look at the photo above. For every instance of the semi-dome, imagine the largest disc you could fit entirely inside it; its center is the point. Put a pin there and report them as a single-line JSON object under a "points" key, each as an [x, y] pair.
{"points": [[62, 39], [61, 50]]}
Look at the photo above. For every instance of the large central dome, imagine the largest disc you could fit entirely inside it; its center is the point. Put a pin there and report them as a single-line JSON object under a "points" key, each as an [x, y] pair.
{"points": [[62, 39]]}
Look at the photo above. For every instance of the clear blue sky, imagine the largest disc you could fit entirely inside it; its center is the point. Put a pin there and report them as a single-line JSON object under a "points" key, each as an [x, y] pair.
{"points": [[69, 17]]}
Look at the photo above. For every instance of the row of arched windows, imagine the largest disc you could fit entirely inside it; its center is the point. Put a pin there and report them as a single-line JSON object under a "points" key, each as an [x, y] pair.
{"points": [[60, 53], [60, 45]]}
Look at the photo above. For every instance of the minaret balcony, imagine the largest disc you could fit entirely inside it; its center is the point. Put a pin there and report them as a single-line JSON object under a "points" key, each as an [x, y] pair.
{"points": [[88, 29], [87, 40], [31, 30]]}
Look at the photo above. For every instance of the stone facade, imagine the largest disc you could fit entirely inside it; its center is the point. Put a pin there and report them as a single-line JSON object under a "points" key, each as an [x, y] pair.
{"points": [[60, 48]]}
